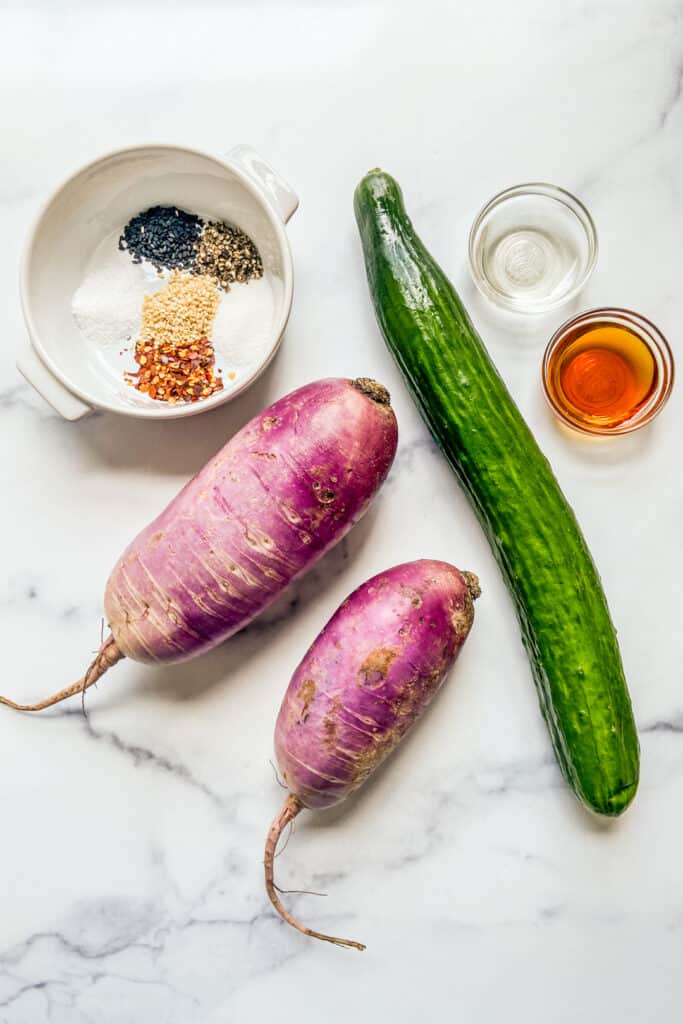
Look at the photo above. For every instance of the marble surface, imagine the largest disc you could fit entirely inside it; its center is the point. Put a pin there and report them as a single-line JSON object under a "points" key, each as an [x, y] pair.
{"points": [[131, 840]]}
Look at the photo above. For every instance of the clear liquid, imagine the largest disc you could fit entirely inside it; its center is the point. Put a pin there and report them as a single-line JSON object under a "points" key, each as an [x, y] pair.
{"points": [[532, 265], [532, 249]]}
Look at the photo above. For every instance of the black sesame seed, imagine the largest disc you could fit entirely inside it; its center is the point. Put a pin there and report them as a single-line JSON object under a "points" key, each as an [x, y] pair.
{"points": [[165, 236]]}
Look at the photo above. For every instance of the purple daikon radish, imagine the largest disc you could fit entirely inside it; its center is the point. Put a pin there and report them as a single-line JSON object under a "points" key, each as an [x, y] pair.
{"points": [[364, 682], [266, 508]]}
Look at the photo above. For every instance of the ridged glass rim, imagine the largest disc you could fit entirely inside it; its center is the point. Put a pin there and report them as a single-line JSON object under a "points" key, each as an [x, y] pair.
{"points": [[657, 344], [545, 190]]}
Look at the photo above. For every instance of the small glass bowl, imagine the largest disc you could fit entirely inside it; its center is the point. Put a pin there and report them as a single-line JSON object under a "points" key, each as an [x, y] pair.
{"points": [[532, 248], [656, 344]]}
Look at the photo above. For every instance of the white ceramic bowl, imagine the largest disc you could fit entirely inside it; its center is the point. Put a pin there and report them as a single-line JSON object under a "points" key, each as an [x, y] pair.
{"points": [[69, 370]]}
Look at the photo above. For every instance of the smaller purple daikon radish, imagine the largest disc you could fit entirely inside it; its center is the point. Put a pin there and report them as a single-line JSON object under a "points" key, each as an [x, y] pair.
{"points": [[363, 683]]}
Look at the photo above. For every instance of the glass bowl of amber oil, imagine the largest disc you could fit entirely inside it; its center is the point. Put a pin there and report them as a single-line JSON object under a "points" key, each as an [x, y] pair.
{"points": [[608, 371]]}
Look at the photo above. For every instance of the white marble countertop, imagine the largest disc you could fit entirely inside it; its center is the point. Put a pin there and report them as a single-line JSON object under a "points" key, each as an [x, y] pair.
{"points": [[131, 842]]}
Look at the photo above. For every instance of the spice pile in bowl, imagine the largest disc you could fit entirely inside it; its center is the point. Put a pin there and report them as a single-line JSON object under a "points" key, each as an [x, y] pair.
{"points": [[175, 357], [176, 360], [165, 236], [227, 255], [172, 239], [168, 290]]}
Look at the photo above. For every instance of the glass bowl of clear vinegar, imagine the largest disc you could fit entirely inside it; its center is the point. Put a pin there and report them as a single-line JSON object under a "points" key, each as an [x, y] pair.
{"points": [[608, 371], [532, 248]]}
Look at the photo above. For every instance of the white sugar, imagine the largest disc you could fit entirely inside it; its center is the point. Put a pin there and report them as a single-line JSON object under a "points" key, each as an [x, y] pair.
{"points": [[107, 306], [243, 328]]}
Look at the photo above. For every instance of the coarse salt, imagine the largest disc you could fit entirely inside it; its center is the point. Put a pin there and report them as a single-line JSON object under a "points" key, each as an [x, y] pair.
{"points": [[107, 305]]}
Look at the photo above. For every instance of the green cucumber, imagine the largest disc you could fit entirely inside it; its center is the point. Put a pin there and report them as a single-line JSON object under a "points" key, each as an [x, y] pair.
{"points": [[563, 613]]}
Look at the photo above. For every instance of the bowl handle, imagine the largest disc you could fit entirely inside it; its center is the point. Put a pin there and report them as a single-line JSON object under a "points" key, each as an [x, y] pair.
{"points": [[53, 391], [276, 190]]}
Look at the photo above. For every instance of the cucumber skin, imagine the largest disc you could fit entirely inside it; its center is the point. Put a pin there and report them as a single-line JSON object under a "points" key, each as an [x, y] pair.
{"points": [[562, 610]]}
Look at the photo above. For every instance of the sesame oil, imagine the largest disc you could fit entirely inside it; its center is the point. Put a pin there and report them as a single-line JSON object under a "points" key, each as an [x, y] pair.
{"points": [[601, 375]]}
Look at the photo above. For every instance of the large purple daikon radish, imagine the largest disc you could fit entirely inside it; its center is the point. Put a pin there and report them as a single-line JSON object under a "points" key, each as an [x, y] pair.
{"points": [[266, 508]]}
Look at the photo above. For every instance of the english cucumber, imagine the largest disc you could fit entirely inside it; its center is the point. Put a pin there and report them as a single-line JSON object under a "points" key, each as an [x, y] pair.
{"points": [[563, 613]]}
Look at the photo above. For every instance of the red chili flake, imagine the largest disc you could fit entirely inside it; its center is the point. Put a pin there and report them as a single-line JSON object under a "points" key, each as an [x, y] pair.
{"points": [[166, 373]]}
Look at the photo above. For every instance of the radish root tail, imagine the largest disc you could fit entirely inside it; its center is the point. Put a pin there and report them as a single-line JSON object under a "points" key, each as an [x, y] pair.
{"points": [[288, 813], [107, 656]]}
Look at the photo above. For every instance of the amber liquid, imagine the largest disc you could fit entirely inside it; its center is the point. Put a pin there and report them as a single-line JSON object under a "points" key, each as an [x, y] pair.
{"points": [[601, 375]]}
